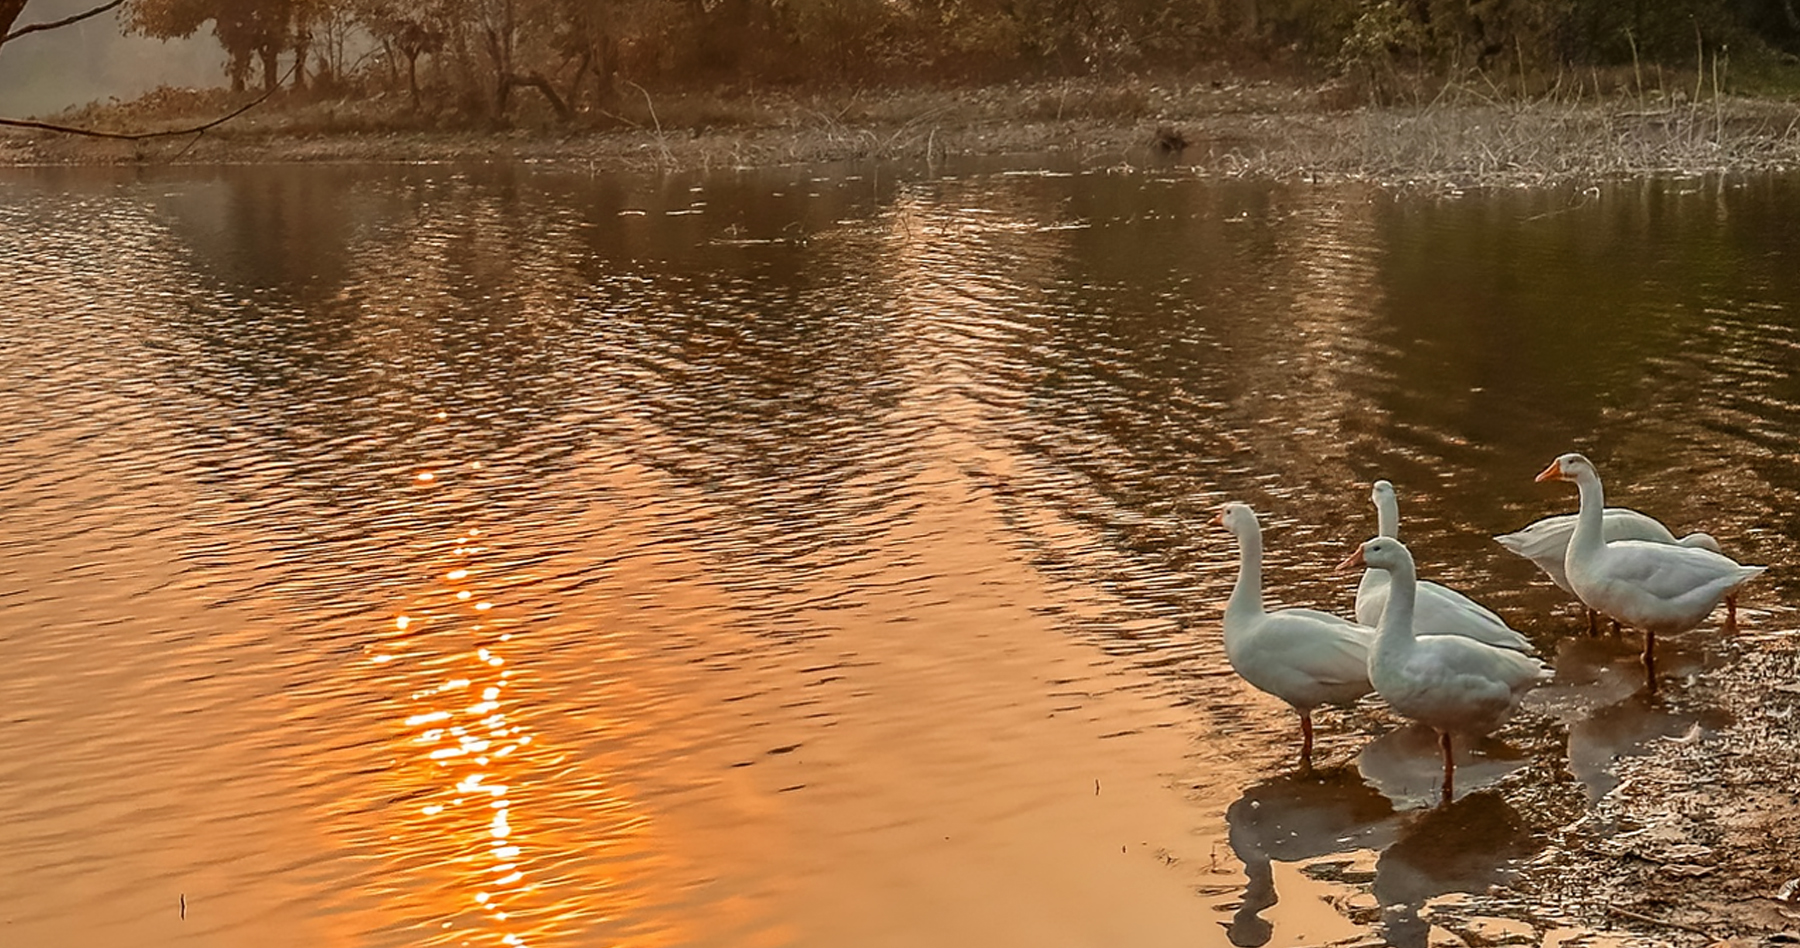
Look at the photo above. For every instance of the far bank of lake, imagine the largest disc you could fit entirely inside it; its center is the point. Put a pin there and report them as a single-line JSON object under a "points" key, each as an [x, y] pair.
{"points": [[1462, 137]]}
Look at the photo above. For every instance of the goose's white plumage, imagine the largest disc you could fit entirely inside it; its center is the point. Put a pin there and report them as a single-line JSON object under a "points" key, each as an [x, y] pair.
{"points": [[1546, 542], [1450, 683], [1304, 657], [1440, 610], [1657, 587]]}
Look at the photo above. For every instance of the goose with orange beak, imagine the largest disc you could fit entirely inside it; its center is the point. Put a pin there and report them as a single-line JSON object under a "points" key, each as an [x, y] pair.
{"points": [[1660, 588], [1545, 542], [1450, 683]]}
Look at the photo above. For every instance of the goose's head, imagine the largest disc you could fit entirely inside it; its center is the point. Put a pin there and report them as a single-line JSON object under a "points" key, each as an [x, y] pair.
{"points": [[1379, 553], [1383, 490], [1236, 517], [1569, 467]]}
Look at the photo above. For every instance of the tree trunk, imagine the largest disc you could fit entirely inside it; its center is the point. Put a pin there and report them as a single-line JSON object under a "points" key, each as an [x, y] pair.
{"points": [[387, 59], [412, 77], [302, 44], [497, 53], [271, 67], [606, 72], [239, 69], [581, 70], [500, 37], [537, 81]]}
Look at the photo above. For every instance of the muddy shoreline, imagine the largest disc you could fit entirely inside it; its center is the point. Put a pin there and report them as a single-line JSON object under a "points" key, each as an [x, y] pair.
{"points": [[1699, 844]]}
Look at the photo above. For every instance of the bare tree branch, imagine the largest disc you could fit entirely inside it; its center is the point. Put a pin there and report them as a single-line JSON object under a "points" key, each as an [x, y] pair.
{"points": [[140, 136], [58, 24], [10, 11]]}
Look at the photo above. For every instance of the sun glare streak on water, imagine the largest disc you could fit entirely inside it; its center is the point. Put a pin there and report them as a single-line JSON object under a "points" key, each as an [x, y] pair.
{"points": [[430, 556]]}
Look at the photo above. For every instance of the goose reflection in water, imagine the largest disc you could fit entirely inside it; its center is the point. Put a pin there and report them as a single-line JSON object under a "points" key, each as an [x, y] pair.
{"points": [[1405, 764], [1625, 729], [1467, 845], [1600, 696], [1294, 817]]}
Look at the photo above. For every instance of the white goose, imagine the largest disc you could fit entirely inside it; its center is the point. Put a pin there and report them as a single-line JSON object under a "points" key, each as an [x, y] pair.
{"points": [[1452, 684], [1545, 542], [1658, 587], [1440, 610], [1302, 656]]}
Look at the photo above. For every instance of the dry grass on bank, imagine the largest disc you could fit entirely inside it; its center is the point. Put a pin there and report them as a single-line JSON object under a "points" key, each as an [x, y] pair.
{"points": [[1263, 129]]}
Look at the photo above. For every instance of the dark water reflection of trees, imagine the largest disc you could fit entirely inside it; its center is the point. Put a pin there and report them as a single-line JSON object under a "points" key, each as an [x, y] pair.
{"points": [[1155, 345], [1149, 347], [352, 323]]}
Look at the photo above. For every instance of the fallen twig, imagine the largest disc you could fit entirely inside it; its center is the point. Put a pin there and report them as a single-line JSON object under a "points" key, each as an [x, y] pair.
{"points": [[1639, 916]]}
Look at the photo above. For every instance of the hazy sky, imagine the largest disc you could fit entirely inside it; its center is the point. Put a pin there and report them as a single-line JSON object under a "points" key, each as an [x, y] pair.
{"points": [[45, 72]]}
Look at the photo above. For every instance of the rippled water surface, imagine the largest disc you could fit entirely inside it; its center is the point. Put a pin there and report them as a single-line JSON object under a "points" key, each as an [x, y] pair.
{"points": [[413, 556]]}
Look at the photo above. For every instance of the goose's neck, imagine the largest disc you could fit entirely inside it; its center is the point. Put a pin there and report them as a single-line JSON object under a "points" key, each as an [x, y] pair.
{"points": [[1396, 630], [1246, 597], [1590, 527], [1387, 515]]}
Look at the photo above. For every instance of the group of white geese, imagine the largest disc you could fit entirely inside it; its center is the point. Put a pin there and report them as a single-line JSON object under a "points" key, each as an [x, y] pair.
{"points": [[1441, 659]]}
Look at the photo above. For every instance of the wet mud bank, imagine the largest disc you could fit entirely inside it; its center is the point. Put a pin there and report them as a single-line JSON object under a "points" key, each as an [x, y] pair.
{"points": [[1699, 842]]}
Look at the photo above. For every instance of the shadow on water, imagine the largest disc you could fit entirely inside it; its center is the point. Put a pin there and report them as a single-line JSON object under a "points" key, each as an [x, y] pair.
{"points": [[1626, 728]]}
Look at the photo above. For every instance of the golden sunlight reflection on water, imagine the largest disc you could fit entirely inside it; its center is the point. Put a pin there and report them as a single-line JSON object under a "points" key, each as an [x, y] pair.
{"points": [[461, 753], [493, 831]]}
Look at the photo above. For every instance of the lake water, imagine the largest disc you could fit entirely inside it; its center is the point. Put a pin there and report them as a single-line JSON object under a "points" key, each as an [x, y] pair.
{"points": [[819, 557]]}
